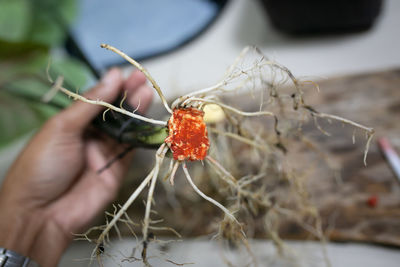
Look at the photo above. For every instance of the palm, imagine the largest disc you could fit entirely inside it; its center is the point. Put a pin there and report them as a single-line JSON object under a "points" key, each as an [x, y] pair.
{"points": [[62, 163], [84, 192], [54, 185], [71, 183]]}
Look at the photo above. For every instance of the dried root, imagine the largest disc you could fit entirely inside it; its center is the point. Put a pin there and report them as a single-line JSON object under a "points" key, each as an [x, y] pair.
{"points": [[270, 188]]}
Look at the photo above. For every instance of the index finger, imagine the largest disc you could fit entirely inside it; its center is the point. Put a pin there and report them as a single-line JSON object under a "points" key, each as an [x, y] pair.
{"points": [[80, 114]]}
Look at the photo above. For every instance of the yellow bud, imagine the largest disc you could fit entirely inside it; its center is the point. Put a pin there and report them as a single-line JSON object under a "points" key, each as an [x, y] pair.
{"points": [[213, 113]]}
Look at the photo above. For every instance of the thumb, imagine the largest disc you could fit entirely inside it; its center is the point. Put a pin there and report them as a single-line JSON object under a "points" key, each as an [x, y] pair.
{"points": [[80, 114]]}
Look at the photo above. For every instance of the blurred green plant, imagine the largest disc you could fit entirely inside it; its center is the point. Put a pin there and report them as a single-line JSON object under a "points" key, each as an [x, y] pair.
{"points": [[30, 32]]}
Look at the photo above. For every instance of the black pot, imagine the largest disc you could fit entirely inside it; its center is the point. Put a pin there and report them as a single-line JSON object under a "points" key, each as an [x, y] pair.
{"points": [[322, 16]]}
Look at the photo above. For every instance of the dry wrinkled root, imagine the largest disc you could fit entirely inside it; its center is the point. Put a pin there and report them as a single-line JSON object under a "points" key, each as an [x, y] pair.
{"points": [[279, 102]]}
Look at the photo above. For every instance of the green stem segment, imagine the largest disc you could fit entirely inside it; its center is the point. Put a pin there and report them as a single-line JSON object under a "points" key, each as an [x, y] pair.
{"points": [[118, 126]]}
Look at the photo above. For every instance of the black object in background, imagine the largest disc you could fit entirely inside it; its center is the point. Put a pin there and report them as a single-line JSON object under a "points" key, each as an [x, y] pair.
{"points": [[322, 16]]}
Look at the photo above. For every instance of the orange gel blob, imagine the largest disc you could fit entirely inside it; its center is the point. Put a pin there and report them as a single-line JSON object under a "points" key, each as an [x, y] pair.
{"points": [[187, 135]]}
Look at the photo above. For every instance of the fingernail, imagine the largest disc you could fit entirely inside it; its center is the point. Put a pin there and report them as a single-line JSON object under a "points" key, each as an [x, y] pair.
{"points": [[111, 77]]}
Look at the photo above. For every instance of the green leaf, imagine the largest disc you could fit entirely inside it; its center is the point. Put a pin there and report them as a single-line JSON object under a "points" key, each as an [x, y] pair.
{"points": [[74, 72], [19, 117], [40, 22], [26, 77], [68, 10], [46, 31], [51, 21], [25, 65], [33, 89], [28, 31], [22, 86], [15, 19], [14, 51]]}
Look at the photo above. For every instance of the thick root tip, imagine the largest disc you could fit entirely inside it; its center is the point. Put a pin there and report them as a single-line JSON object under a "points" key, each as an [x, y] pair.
{"points": [[104, 46]]}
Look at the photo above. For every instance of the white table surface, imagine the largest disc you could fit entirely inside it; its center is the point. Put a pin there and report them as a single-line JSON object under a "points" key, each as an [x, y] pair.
{"points": [[205, 253], [244, 22]]}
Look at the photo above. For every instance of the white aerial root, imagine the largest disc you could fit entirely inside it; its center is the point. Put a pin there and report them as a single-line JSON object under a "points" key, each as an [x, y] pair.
{"points": [[227, 107], [250, 179], [370, 131], [231, 74], [143, 70], [159, 159], [238, 185], [197, 190], [263, 147], [334, 117], [47, 97], [76, 96], [173, 171], [128, 203], [217, 86], [228, 177], [204, 95]]}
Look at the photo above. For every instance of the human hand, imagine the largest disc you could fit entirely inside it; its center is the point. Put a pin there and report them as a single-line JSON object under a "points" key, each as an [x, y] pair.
{"points": [[52, 190]]}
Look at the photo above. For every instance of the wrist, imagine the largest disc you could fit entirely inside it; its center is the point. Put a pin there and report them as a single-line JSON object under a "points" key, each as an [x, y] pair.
{"points": [[9, 258], [32, 234], [18, 228], [49, 244]]}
